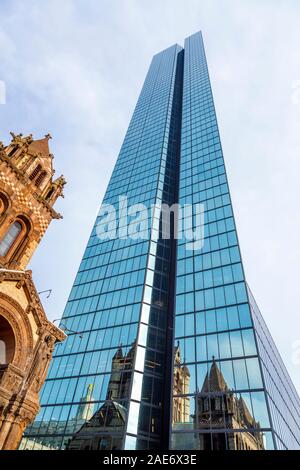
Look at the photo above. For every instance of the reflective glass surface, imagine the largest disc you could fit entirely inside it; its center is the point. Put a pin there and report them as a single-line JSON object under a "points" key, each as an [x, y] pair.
{"points": [[106, 381], [166, 345], [283, 399], [220, 400]]}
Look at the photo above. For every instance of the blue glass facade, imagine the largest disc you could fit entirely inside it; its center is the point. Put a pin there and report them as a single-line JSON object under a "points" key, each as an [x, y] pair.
{"points": [[283, 399], [214, 329], [166, 346]]}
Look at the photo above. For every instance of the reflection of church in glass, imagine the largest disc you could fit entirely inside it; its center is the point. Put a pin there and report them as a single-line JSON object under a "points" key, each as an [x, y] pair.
{"points": [[96, 432], [103, 430], [216, 407], [85, 408], [181, 386]]}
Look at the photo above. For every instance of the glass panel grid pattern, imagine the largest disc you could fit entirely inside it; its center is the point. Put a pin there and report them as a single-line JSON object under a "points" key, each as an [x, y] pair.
{"points": [[110, 369], [166, 345], [283, 399], [217, 376]]}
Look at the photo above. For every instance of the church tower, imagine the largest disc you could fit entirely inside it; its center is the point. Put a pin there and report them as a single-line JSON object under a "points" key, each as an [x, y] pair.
{"points": [[28, 191]]}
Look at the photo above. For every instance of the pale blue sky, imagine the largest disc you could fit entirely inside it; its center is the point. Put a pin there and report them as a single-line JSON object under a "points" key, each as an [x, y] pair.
{"points": [[75, 69]]}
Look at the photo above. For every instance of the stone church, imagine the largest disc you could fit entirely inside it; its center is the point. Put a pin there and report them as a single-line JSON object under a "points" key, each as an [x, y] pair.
{"points": [[28, 191]]}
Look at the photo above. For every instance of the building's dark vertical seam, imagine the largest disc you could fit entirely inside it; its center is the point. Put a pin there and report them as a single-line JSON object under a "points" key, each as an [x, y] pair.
{"points": [[174, 150]]}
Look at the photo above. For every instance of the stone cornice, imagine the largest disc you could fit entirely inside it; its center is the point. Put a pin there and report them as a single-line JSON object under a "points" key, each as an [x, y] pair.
{"points": [[24, 280]]}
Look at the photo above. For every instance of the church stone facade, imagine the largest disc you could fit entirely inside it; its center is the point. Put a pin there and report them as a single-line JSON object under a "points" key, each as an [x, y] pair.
{"points": [[28, 191]]}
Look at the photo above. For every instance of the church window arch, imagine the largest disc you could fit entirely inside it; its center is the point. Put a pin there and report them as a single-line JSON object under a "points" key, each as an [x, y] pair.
{"points": [[7, 342], [14, 236]]}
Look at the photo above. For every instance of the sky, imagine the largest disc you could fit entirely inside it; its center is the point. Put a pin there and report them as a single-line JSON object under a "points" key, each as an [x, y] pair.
{"points": [[75, 68]]}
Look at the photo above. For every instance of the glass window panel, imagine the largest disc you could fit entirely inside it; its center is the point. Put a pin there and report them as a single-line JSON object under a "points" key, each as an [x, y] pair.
{"points": [[98, 382], [226, 368], [260, 411], [237, 272], [179, 326], [221, 316], [200, 323], [133, 418], [249, 342], [224, 345], [209, 298], [185, 441], [207, 279], [241, 294], [211, 323], [201, 348], [189, 282], [212, 346], [143, 334], [199, 298], [244, 314], [189, 302], [236, 344], [80, 389], [240, 374], [189, 350], [201, 375], [230, 295], [268, 440], [219, 297], [187, 379], [233, 317], [254, 374], [130, 443], [227, 274], [189, 325], [180, 304]]}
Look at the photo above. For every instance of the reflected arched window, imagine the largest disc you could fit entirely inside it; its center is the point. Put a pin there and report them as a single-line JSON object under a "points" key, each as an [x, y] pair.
{"points": [[35, 172], [10, 237]]}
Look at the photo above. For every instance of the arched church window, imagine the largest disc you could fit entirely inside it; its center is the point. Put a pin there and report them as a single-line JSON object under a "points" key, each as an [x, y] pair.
{"points": [[7, 342], [49, 193], [35, 172], [12, 151], [10, 237]]}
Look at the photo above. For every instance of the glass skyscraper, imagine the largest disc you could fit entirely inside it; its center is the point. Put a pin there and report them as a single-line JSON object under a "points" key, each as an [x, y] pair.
{"points": [[166, 346]]}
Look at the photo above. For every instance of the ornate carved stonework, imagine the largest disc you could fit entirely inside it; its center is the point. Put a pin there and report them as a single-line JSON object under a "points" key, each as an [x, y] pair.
{"points": [[29, 191], [27, 338]]}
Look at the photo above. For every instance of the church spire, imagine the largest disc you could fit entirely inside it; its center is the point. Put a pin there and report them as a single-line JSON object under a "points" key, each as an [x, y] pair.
{"points": [[214, 380]]}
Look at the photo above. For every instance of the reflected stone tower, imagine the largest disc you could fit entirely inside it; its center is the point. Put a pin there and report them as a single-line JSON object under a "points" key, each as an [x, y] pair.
{"points": [[170, 335]]}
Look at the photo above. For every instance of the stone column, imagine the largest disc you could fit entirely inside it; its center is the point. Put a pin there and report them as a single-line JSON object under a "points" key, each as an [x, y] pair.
{"points": [[14, 435], [4, 430]]}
